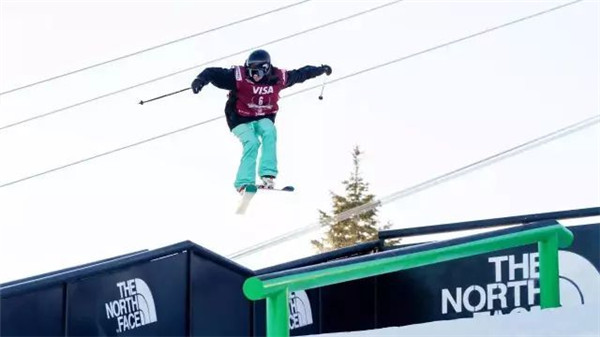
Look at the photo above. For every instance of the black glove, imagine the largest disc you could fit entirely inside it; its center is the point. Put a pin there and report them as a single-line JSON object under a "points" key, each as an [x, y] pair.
{"points": [[326, 69], [198, 83]]}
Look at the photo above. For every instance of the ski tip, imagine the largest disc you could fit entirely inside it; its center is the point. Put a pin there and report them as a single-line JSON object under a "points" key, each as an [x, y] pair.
{"points": [[288, 189]]}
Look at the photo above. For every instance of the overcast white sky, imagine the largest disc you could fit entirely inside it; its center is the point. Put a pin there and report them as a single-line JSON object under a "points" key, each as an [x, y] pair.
{"points": [[415, 120]]}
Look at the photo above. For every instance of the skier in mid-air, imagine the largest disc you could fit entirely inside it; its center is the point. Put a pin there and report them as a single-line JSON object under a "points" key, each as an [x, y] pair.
{"points": [[251, 109]]}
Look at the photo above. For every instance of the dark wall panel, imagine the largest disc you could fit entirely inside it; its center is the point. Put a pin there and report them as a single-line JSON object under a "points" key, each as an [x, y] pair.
{"points": [[145, 300], [348, 306], [497, 283], [219, 305], [37, 313]]}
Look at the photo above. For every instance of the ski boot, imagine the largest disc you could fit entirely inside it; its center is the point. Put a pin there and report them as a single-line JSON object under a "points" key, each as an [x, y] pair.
{"points": [[268, 182]]}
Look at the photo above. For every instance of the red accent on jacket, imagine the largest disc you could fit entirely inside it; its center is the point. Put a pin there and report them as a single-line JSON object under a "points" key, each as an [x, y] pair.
{"points": [[254, 99]]}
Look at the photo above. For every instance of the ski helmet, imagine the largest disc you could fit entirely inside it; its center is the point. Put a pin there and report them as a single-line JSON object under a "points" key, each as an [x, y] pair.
{"points": [[258, 63]]}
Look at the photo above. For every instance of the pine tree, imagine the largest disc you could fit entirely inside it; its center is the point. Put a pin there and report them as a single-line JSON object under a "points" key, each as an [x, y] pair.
{"points": [[359, 228]]}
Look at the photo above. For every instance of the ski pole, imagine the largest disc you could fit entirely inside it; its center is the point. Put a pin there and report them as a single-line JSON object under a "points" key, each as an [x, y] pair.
{"points": [[322, 88], [159, 97]]}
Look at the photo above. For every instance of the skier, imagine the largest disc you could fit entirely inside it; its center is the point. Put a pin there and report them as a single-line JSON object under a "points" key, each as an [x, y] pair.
{"points": [[251, 109]]}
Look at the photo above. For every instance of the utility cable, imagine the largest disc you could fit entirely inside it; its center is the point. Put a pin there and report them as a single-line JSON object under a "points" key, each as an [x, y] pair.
{"points": [[420, 187], [200, 65], [424, 51], [155, 47], [110, 152], [216, 118]]}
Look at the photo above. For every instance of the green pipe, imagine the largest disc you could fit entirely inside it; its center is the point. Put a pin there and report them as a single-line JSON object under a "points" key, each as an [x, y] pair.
{"points": [[256, 289], [278, 313], [549, 284], [276, 290]]}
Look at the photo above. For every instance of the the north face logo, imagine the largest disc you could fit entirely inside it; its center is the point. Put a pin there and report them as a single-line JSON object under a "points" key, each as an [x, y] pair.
{"points": [[300, 312], [134, 308], [515, 286]]}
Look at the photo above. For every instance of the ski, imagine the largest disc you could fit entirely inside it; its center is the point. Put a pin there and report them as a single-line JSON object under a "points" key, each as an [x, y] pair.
{"points": [[283, 189], [249, 193], [251, 190]]}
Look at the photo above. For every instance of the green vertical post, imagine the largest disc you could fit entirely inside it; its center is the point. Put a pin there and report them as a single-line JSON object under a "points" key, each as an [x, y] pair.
{"points": [[278, 315], [549, 284]]}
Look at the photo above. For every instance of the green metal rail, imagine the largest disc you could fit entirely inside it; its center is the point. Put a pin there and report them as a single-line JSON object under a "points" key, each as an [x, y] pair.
{"points": [[276, 290]]}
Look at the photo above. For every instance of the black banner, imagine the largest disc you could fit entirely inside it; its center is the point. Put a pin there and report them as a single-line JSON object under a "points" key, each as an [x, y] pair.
{"points": [[148, 299], [497, 283], [37, 313]]}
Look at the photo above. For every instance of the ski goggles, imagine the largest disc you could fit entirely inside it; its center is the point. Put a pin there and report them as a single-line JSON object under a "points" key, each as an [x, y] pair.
{"points": [[260, 69]]}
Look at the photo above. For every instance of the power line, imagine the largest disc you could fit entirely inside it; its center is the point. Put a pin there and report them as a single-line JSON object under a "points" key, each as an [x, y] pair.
{"points": [[285, 96], [489, 30], [200, 65], [109, 152], [155, 47], [421, 186]]}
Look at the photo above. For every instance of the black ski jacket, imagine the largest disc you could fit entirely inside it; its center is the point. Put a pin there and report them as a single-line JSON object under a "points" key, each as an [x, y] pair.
{"points": [[225, 79]]}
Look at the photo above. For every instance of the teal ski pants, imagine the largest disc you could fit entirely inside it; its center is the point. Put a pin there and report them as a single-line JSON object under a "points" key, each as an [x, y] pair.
{"points": [[250, 135]]}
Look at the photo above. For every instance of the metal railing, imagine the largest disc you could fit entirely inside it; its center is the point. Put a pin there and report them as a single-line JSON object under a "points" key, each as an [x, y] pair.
{"points": [[489, 223], [275, 287]]}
